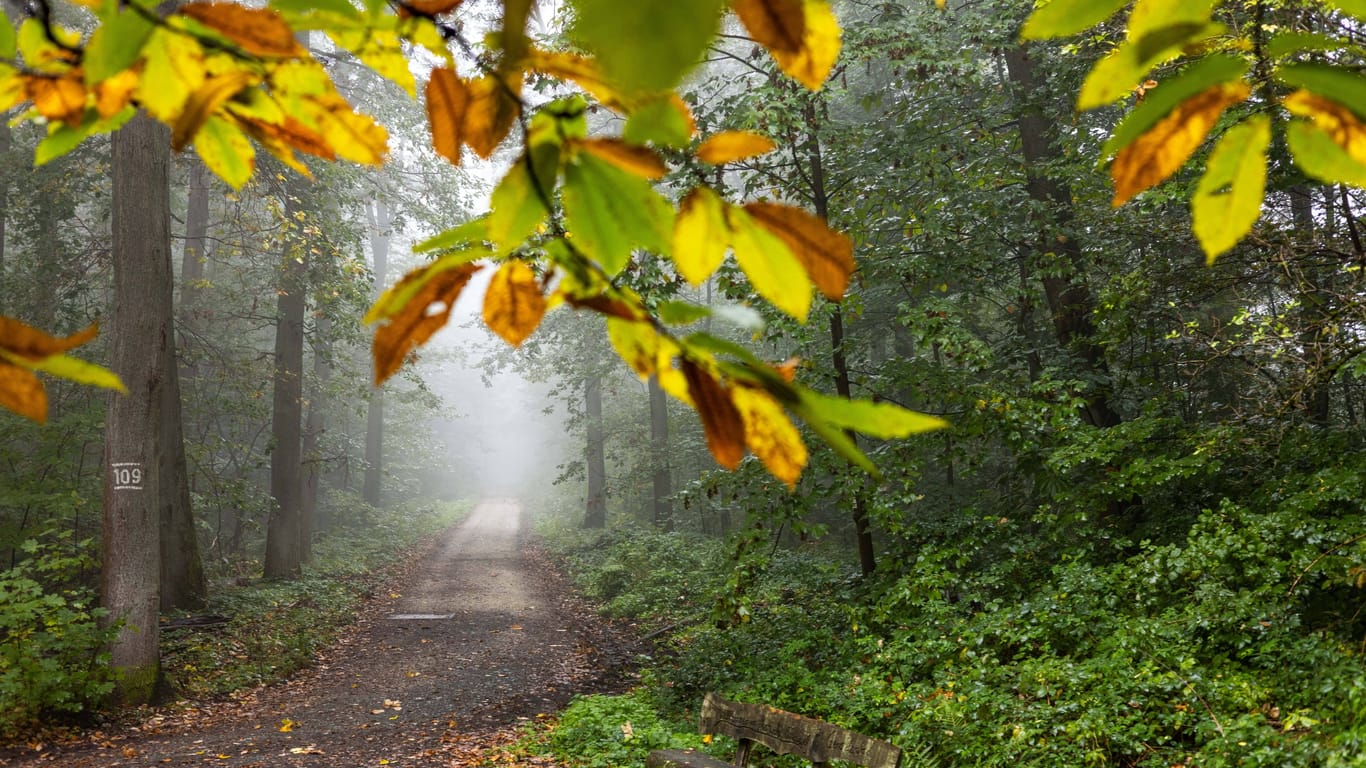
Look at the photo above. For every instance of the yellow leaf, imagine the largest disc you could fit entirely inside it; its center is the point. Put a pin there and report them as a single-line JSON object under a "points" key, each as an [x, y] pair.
{"points": [[258, 31], [802, 35], [769, 433], [700, 236], [721, 423], [1340, 123], [281, 139], [354, 136], [631, 158], [286, 725], [513, 304], [636, 343], [57, 98], [204, 102], [174, 69], [827, 255], [225, 151], [1167, 146], [770, 265], [580, 70], [410, 325], [729, 146], [22, 393], [382, 51], [114, 93]]}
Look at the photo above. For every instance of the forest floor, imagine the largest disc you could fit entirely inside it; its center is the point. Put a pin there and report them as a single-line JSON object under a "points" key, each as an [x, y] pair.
{"points": [[401, 691]]}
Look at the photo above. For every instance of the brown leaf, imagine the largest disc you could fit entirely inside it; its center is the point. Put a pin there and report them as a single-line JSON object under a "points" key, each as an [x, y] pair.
{"points": [[778, 25], [1340, 123], [513, 304], [258, 31], [492, 109], [22, 392], [30, 343], [447, 100], [415, 322], [204, 102], [1167, 145], [431, 7], [291, 134], [57, 98], [605, 305], [826, 255], [115, 93], [721, 421], [632, 158]]}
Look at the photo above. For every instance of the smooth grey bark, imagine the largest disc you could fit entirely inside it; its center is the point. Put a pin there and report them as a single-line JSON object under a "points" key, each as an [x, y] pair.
{"points": [[196, 242], [314, 427], [142, 343], [594, 455], [284, 546], [380, 221], [659, 457]]}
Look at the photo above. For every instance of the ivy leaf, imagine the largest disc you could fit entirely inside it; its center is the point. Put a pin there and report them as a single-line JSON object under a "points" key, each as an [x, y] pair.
{"points": [[769, 433], [1167, 146], [803, 36], [1322, 158], [729, 146], [646, 46], [1060, 18], [513, 303], [721, 421], [423, 314], [258, 31], [1228, 199], [610, 212], [826, 255], [700, 236]]}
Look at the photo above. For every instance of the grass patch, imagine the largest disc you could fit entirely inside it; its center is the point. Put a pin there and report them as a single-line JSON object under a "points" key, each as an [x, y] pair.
{"points": [[276, 628]]}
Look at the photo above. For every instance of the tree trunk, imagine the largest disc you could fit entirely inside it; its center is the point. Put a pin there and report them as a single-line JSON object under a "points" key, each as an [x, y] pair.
{"points": [[183, 584], [142, 353], [659, 457], [5, 166], [313, 431], [820, 199], [284, 550], [595, 458], [1069, 298], [380, 222]]}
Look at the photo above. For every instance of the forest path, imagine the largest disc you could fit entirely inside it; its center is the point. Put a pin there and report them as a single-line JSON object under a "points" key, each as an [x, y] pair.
{"points": [[409, 691]]}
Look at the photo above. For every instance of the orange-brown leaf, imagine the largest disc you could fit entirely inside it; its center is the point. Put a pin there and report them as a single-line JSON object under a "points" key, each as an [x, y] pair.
{"points": [[729, 146], [258, 31], [25, 341], [204, 102], [1340, 123], [57, 98], [826, 255], [290, 134], [1160, 152], [514, 304], [492, 109], [778, 25], [431, 7], [423, 315], [580, 70], [447, 100], [721, 421], [632, 158], [114, 93], [22, 392], [605, 305]]}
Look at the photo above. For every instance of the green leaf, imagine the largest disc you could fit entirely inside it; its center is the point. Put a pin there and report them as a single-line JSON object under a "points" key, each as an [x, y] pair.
{"points": [[660, 123], [834, 437], [718, 346], [646, 45], [9, 44], [515, 210], [62, 138], [774, 272], [1286, 43], [1163, 17], [1060, 18], [79, 371], [302, 7], [115, 45], [1160, 101], [1228, 199], [471, 232], [881, 420], [1341, 85], [1117, 74], [609, 212], [680, 312], [1354, 8], [1320, 157], [225, 151]]}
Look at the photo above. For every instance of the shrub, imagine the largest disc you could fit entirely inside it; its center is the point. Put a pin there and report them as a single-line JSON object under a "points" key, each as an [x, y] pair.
{"points": [[616, 731]]}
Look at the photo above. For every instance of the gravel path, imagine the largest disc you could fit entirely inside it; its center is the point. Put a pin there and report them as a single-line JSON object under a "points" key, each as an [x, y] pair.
{"points": [[508, 645]]}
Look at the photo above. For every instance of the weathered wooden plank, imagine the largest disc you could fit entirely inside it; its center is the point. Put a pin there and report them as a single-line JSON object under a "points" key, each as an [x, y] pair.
{"points": [[787, 733], [683, 758]]}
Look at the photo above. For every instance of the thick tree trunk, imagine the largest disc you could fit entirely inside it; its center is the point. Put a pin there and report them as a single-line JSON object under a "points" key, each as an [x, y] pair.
{"points": [[5, 166], [1069, 298], [659, 457], [595, 455], [183, 585], [284, 549], [142, 354], [380, 221]]}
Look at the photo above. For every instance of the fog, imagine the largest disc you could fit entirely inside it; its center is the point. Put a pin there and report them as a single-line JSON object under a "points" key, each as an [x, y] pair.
{"points": [[500, 435]]}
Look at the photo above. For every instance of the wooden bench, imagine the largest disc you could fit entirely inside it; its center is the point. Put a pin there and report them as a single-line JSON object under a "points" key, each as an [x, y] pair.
{"points": [[783, 732]]}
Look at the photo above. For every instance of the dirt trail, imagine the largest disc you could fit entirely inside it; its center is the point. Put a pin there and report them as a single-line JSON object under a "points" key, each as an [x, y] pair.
{"points": [[503, 643]]}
